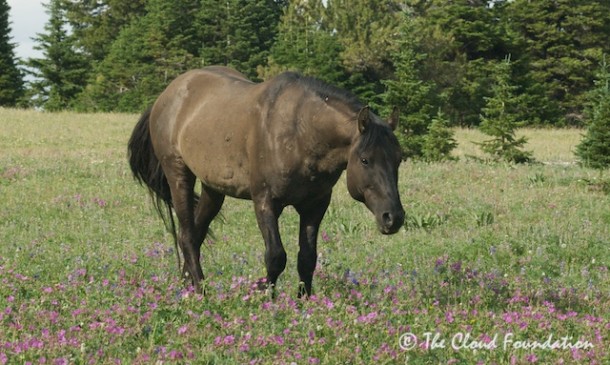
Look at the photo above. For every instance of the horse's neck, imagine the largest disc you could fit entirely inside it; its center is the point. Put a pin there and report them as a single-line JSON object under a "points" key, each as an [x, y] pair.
{"points": [[335, 131]]}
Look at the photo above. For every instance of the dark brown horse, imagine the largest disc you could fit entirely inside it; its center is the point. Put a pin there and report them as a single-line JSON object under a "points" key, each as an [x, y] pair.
{"points": [[281, 142]]}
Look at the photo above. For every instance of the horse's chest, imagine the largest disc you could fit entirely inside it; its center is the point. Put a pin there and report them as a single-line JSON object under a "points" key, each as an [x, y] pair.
{"points": [[301, 182]]}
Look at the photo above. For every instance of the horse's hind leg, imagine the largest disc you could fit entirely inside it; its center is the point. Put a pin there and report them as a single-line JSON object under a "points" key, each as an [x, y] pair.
{"points": [[182, 182], [207, 208]]}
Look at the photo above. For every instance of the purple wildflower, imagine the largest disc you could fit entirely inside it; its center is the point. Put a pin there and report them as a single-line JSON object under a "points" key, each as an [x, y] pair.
{"points": [[449, 317], [325, 237], [531, 358]]}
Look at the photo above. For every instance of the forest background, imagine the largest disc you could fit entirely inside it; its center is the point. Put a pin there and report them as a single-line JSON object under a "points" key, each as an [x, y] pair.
{"points": [[426, 56]]}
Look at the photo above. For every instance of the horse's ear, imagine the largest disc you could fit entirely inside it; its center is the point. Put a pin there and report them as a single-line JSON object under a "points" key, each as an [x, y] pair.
{"points": [[393, 120], [363, 119]]}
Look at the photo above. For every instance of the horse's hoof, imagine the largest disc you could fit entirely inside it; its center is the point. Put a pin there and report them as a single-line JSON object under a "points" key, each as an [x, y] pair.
{"points": [[261, 284]]}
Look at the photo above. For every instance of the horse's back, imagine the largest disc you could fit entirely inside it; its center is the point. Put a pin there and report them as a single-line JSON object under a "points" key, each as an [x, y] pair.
{"points": [[206, 118]]}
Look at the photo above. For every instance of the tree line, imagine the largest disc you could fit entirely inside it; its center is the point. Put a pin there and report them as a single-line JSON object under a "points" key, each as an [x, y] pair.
{"points": [[429, 57]]}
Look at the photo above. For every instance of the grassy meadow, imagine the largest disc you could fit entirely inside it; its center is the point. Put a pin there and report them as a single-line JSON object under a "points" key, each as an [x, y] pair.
{"points": [[497, 264]]}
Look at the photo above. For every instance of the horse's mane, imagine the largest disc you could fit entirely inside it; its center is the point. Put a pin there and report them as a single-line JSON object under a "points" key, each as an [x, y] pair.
{"points": [[323, 89], [376, 132]]}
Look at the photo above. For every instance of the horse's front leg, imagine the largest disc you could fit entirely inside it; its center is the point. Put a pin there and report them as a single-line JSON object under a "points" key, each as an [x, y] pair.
{"points": [[311, 214], [267, 214]]}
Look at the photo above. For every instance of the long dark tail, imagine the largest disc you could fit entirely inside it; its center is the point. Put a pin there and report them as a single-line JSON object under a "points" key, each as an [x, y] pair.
{"points": [[147, 171]]}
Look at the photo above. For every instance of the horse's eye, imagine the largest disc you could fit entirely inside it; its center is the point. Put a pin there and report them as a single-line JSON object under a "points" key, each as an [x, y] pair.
{"points": [[364, 161]]}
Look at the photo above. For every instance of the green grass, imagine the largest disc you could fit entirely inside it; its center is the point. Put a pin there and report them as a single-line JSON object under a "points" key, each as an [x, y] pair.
{"points": [[550, 146], [88, 274]]}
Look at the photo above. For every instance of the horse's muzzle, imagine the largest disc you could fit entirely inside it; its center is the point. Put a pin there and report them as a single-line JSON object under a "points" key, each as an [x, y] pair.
{"points": [[391, 222]]}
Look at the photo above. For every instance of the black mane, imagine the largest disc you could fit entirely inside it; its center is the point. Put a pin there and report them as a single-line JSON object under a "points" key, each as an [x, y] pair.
{"points": [[376, 133], [323, 89]]}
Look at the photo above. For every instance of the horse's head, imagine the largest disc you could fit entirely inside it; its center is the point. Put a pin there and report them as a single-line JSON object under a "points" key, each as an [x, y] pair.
{"points": [[372, 169]]}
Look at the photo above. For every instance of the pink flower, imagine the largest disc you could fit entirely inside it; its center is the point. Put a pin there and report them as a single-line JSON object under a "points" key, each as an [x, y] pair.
{"points": [[449, 317], [531, 358], [369, 318], [175, 355], [576, 355], [182, 330], [325, 237], [510, 317], [228, 340], [328, 303]]}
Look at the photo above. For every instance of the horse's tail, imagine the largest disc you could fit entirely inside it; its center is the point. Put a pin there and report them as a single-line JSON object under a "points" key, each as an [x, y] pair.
{"points": [[147, 170]]}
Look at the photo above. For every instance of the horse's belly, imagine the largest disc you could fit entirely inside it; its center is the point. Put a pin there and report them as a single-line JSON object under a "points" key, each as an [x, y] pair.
{"points": [[220, 162], [228, 184], [224, 176]]}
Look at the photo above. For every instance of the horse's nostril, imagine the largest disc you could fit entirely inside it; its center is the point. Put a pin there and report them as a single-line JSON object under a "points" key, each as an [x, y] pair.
{"points": [[388, 219]]}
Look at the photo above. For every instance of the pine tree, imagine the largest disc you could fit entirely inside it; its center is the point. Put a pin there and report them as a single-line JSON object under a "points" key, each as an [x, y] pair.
{"points": [[498, 120], [460, 39], [367, 32], [60, 75], [594, 149], [413, 96], [439, 141], [561, 42], [303, 44], [96, 24], [11, 79], [238, 33], [144, 58], [254, 33]]}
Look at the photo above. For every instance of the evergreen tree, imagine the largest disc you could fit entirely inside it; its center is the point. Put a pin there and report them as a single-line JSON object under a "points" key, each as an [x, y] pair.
{"points": [[212, 21], [96, 24], [439, 142], [304, 44], [238, 33], [11, 79], [367, 32], [413, 96], [60, 74], [498, 120], [594, 149], [461, 39], [144, 58], [560, 41]]}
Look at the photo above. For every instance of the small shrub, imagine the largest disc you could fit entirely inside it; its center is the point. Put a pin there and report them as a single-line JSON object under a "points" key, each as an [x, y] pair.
{"points": [[439, 142], [484, 218], [537, 179], [424, 221], [499, 120], [594, 149]]}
